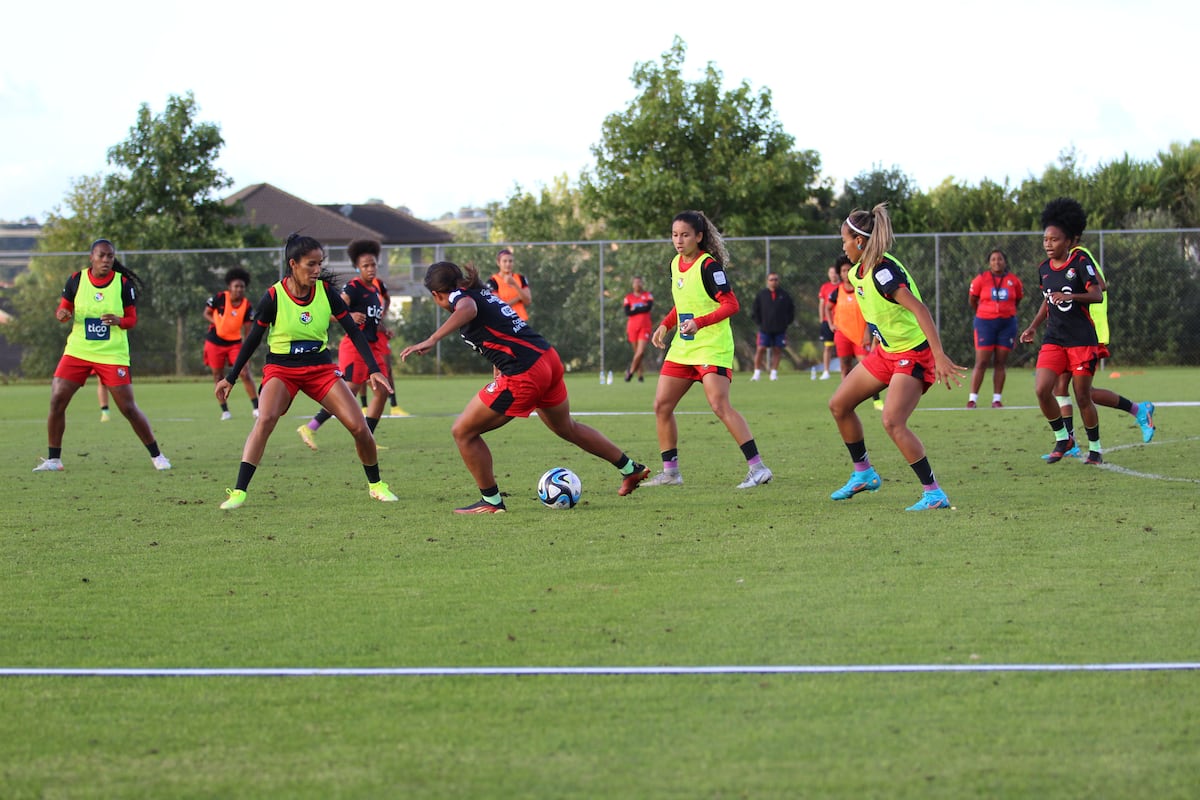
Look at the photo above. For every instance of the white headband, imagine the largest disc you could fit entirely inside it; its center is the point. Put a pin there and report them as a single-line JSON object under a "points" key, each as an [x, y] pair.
{"points": [[856, 229]]}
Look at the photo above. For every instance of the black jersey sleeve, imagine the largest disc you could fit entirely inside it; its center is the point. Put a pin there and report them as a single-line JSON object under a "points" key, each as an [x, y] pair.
{"points": [[715, 279]]}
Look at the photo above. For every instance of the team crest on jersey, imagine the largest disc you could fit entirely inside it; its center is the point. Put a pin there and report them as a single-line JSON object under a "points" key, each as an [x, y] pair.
{"points": [[679, 282], [98, 297], [120, 372], [305, 317], [1071, 274], [903, 362], [490, 388]]}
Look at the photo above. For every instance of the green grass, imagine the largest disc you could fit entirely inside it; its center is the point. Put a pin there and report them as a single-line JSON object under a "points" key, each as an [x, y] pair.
{"points": [[111, 564]]}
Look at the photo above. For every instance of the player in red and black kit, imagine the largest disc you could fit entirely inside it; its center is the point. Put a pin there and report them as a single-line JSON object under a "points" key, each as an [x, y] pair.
{"points": [[229, 314], [994, 295], [361, 295], [1070, 283], [638, 328], [528, 377]]}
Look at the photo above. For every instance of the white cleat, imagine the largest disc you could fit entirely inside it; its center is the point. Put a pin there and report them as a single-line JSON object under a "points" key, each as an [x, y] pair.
{"points": [[226, 416], [160, 463], [668, 477], [757, 476], [50, 465]]}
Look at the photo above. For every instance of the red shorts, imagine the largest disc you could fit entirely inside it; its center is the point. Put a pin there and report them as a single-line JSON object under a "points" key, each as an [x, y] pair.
{"points": [[918, 363], [314, 381], [219, 356], [352, 365], [76, 370], [847, 347], [638, 329], [540, 386], [1075, 360], [693, 372]]}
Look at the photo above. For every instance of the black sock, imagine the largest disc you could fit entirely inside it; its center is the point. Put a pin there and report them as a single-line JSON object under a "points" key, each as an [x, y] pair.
{"points": [[372, 422], [924, 471], [670, 455], [104, 408], [153, 448], [392, 399], [321, 416], [245, 473], [363, 399], [1124, 404], [858, 451], [224, 406], [254, 402], [1069, 422], [749, 449], [372, 471], [55, 452]]}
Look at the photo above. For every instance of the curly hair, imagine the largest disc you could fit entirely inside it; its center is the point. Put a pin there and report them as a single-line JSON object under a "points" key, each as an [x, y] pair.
{"points": [[710, 238], [237, 274], [362, 247], [1066, 214]]}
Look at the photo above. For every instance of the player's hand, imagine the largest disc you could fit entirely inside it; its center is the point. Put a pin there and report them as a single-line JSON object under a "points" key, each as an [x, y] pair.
{"points": [[62, 314], [359, 318], [1027, 335], [945, 370], [222, 390], [379, 381], [659, 337], [418, 349]]}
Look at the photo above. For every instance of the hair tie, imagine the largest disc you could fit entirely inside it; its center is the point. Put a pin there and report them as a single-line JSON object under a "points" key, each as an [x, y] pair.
{"points": [[857, 229]]}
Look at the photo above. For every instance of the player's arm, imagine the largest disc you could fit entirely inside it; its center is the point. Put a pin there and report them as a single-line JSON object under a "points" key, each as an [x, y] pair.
{"points": [[659, 337], [944, 369], [1038, 318], [464, 311]]}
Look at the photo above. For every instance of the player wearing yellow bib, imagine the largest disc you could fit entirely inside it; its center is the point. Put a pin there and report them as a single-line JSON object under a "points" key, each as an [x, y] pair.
{"points": [[702, 350], [101, 304], [906, 360], [294, 316]]}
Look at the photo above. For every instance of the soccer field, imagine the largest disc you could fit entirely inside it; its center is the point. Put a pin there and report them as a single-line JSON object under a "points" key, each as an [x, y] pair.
{"points": [[696, 641]]}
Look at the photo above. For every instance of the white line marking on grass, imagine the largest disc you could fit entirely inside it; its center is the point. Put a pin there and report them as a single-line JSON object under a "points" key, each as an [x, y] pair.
{"points": [[360, 672]]}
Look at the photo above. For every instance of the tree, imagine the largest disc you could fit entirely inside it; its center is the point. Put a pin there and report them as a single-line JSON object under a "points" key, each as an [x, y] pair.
{"points": [[683, 145], [556, 214]]}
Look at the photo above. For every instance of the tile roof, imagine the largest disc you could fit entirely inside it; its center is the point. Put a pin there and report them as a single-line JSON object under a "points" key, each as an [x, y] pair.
{"points": [[284, 214]]}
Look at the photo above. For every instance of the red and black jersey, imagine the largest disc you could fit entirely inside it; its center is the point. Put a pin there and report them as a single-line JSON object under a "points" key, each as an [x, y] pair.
{"points": [[365, 299], [498, 334], [1069, 324]]}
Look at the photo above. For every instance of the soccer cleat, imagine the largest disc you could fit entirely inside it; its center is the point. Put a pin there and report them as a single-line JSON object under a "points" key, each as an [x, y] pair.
{"points": [[878, 405], [668, 477], [482, 507], [865, 481], [825, 375], [1145, 418], [236, 498], [628, 376], [970, 404], [930, 499], [1074, 452], [997, 404], [256, 413], [50, 465], [630, 482], [160, 463], [774, 375], [397, 411], [757, 476], [1094, 458], [757, 374], [1062, 449], [380, 491], [226, 416], [104, 416], [306, 436]]}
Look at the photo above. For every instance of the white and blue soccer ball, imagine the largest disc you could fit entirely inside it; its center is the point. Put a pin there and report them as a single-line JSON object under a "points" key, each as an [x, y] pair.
{"points": [[559, 488]]}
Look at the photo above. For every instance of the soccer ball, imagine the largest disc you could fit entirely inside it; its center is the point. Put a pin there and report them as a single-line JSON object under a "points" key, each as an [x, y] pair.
{"points": [[559, 488]]}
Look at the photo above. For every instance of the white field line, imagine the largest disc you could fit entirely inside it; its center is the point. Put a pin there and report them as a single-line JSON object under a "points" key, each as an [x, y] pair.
{"points": [[367, 672]]}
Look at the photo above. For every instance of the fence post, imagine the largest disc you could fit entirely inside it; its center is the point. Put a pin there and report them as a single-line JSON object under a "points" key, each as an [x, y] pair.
{"points": [[937, 283], [600, 247]]}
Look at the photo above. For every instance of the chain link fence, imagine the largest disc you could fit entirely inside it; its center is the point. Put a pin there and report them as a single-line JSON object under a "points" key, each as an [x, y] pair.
{"points": [[578, 288]]}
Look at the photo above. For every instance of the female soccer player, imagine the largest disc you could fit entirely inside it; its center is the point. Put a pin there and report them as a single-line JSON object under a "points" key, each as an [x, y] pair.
{"points": [[702, 351], [366, 304], [528, 377], [906, 360], [1070, 284], [101, 304], [638, 304], [994, 295], [294, 316], [228, 314]]}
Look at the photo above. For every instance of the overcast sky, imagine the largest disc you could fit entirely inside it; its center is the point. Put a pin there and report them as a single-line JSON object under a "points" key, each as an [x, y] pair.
{"points": [[441, 105]]}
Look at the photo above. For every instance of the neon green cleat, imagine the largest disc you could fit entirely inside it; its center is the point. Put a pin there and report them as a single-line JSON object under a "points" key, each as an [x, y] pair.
{"points": [[306, 436], [236, 498], [380, 491]]}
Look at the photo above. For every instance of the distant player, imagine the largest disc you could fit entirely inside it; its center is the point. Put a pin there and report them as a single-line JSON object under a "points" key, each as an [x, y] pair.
{"points": [[995, 295], [229, 315], [638, 326]]}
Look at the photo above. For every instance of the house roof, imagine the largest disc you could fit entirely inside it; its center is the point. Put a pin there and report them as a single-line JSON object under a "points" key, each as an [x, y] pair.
{"points": [[393, 226], [284, 214]]}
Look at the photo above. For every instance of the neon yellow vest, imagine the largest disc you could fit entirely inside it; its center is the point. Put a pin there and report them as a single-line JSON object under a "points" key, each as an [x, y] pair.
{"points": [[1098, 311], [892, 324], [712, 344], [90, 339], [300, 328]]}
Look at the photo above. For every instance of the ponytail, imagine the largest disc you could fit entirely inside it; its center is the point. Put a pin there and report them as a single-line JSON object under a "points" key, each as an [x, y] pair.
{"points": [[876, 227], [446, 276], [710, 238]]}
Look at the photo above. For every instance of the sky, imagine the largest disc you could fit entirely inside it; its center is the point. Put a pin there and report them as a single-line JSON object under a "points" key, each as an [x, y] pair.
{"points": [[446, 105]]}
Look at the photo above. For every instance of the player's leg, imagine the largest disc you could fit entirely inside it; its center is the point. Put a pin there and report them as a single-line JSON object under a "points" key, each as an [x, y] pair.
{"points": [[999, 373], [854, 390], [468, 429], [342, 402]]}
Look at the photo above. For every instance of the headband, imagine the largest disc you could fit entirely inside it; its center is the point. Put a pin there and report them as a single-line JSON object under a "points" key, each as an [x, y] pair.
{"points": [[857, 229]]}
